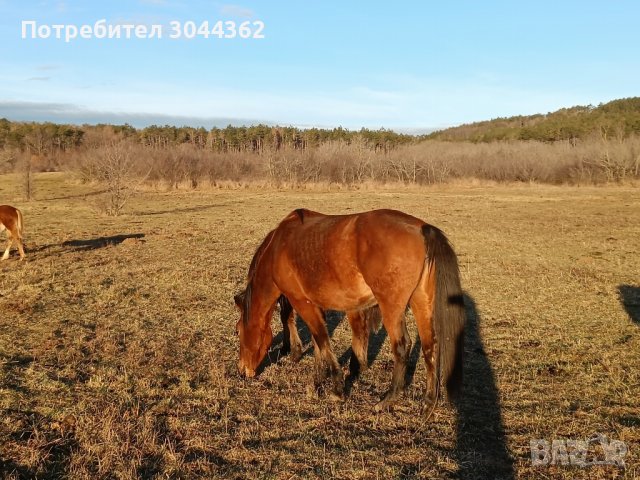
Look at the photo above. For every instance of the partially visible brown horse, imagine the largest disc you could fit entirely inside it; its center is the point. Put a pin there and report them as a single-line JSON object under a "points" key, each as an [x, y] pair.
{"points": [[349, 263], [11, 220]]}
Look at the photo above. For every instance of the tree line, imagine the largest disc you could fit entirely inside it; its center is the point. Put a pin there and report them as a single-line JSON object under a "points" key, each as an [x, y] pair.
{"points": [[49, 138]]}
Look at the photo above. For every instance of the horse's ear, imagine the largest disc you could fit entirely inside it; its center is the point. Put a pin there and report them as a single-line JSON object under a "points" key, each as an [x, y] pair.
{"points": [[239, 299]]}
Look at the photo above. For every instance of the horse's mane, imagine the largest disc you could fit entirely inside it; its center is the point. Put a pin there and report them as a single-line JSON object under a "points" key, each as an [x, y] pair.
{"points": [[252, 270], [258, 254]]}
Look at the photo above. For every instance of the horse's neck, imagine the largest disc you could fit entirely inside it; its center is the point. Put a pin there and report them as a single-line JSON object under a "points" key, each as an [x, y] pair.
{"points": [[264, 292]]}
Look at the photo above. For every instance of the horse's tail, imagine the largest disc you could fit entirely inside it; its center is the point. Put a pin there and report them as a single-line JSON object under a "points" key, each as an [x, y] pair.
{"points": [[448, 310], [19, 226]]}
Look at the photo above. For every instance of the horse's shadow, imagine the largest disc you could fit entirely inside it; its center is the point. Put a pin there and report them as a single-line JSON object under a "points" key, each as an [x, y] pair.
{"points": [[77, 195], [198, 208], [100, 242], [481, 448], [630, 299], [86, 244]]}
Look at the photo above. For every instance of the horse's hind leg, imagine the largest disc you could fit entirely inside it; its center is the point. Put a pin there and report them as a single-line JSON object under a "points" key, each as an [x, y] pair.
{"points": [[325, 359], [393, 319], [421, 303], [359, 342], [20, 248], [9, 242]]}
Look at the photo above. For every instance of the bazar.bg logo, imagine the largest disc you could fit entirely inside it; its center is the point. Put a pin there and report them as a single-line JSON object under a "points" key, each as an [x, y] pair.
{"points": [[597, 450]]}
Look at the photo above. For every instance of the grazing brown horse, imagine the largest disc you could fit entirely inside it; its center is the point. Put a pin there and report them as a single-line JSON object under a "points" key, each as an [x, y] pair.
{"points": [[11, 220], [350, 263]]}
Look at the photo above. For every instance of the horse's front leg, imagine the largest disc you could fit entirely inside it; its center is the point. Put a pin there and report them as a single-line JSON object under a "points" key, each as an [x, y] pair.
{"points": [[291, 340], [326, 362]]}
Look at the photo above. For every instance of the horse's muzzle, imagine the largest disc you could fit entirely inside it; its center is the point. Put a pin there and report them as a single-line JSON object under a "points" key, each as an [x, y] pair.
{"points": [[245, 371]]}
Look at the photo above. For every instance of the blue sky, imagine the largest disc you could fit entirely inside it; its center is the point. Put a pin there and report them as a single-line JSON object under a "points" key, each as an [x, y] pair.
{"points": [[405, 65]]}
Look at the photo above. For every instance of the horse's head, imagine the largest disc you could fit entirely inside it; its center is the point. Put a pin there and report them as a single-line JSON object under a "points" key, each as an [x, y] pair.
{"points": [[255, 335]]}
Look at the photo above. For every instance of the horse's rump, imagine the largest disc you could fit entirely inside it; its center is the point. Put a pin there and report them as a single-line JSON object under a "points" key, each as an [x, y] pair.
{"points": [[11, 220]]}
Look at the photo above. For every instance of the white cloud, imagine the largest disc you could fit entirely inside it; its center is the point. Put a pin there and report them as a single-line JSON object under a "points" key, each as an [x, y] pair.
{"points": [[230, 10], [47, 67], [75, 114], [155, 3]]}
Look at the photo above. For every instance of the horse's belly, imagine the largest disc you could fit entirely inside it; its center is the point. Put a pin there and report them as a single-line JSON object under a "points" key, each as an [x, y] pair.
{"points": [[342, 295]]}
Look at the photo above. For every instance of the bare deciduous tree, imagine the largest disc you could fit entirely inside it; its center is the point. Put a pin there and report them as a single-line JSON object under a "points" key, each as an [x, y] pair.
{"points": [[27, 176], [114, 167]]}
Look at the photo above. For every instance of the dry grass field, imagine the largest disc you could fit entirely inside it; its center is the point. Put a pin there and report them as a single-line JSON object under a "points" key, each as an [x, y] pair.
{"points": [[118, 348]]}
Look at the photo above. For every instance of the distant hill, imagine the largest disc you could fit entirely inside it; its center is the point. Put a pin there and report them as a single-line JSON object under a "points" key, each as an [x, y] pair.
{"points": [[616, 119]]}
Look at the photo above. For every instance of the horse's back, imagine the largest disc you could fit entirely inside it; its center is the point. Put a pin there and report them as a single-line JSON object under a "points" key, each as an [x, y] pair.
{"points": [[314, 234], [348, 258], [311, 240]]}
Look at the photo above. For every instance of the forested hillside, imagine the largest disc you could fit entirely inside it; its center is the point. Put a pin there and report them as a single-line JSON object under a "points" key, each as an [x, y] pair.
{"points": [[616, 119]]}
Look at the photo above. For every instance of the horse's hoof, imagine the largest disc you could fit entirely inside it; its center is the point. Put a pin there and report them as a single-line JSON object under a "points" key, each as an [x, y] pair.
{"points": [[296, 355], [336, 397], [387, 402], [383, 406], [428, 407], [356, 369]]}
